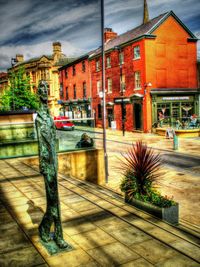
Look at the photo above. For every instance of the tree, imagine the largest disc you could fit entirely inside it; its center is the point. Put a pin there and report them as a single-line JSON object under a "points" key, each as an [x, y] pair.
{"points": [[19, 95]]}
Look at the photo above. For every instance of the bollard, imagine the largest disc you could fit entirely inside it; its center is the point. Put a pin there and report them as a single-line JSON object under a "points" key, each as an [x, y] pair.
{"points": [[175, 142]]}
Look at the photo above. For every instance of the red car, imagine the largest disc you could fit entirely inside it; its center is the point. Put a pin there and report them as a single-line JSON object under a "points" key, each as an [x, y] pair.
{"points": [[61, 122]]}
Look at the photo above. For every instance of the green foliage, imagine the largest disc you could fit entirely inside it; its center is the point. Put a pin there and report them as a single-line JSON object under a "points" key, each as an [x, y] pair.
{"points": [[140, 170], [19, 95]]}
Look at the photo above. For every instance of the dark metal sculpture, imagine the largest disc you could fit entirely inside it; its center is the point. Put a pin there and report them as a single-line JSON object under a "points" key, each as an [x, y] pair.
{"points": [[46, 132]]}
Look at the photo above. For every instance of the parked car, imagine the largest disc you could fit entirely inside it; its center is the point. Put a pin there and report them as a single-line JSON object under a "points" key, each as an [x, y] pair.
{"points": [[61, 122]]}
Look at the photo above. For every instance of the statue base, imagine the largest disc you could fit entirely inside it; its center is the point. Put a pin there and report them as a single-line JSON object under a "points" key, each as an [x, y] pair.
{"points": [[52, 248]]}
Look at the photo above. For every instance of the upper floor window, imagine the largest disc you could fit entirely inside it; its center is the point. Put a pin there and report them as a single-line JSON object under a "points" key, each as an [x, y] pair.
{"points": [[121, 57], [108, 62], [137, 75], [67, 93], [61, 90], [83, 66], [98, 86], [123, 83], [109, 80], [66, 74], [97, 65], [136, 52], [74, 70], [74, 91], [84, 90]]}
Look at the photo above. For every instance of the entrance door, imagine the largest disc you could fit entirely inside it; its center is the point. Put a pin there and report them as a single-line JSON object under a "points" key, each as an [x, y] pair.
{"points": [[137, 116]]}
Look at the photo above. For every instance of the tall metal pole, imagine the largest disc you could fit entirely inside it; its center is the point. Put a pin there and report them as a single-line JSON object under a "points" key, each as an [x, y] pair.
{"points": [[103, 89]]}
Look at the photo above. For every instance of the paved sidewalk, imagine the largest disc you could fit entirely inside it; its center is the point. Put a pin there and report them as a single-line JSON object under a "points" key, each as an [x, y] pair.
{"points": [[103, 230]]}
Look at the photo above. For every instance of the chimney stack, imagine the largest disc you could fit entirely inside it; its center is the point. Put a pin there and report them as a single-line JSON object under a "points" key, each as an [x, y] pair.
{"points": [[57, 51], [109, 34], [19, 58], [145, 13]]}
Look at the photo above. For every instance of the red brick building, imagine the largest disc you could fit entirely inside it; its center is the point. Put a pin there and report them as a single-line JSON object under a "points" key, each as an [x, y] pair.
{"points": [[149, 69], [75, 88]]}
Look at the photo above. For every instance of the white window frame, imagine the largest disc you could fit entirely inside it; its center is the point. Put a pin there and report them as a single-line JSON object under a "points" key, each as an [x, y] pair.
{"points": [[136, 49], [137, 79], [109, 84], [108, 62], [97, 65], [121, 57], [98, 87]]}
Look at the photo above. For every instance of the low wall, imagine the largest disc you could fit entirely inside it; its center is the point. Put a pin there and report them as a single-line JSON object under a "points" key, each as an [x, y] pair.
{"points": [[86, 165], [16, 126], [180, 133]]}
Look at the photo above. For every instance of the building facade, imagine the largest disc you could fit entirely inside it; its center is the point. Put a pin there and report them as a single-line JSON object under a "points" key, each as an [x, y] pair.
{"points": [[150, 69], [75, 88], [44, 67], [3, 82]]}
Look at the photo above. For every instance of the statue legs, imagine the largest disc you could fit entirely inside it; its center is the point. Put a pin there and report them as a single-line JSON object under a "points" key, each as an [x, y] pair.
{"points": [[52, 214]]}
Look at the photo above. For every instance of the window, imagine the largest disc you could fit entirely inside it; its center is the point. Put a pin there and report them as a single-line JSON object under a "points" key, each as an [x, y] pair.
{"points": [[74, 70], [98, 65], [83, 66], [98, 86], [67, 93], [136, 52], [84, 90], [74, 91], [66, 74], [109, 80], [123, 83], [121, 58], [34, 76], [61, 90], [137, 80], [108, 62]]}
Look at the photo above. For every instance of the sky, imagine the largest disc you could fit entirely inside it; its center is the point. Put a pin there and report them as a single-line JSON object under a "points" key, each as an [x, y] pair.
{"points": [[29, 27]]}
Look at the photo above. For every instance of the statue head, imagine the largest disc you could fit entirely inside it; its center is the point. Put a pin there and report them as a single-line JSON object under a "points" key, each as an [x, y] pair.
{"points": [[43, 91]]}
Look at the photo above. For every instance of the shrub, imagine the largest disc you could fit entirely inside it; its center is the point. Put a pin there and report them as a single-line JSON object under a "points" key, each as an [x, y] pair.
{"points": [[140, 170]]}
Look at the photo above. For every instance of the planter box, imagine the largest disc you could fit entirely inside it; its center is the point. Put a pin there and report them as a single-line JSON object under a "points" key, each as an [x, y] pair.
{"points": [[170, 215]]}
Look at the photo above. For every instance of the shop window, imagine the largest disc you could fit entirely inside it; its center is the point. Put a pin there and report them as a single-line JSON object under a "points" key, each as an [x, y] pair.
{"points": [[121, 58], [137, 75], [136, 52], [108, 62], [84, 90], [83, 66], [74, 70], [99, 111], [74, 91]]}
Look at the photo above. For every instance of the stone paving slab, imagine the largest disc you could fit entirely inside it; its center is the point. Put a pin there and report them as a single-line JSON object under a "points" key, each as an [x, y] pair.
{"points": [[103, 230]]}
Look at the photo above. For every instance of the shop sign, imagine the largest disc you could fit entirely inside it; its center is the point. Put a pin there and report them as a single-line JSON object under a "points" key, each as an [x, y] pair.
{"points": [[174, 98]]}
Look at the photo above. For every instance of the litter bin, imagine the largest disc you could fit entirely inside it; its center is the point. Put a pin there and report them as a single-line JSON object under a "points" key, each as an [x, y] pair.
{"points": [[175, 142]]}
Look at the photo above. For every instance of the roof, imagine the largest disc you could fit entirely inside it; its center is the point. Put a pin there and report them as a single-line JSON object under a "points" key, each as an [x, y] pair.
{"points": [[63, 61], [76, 60], [50, 57], [142, 31]]}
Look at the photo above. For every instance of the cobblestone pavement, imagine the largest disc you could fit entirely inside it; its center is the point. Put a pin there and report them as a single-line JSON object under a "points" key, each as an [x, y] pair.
{"points": [[103, 230]]}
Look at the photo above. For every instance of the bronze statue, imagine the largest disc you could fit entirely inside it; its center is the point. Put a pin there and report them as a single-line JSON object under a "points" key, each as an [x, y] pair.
{"points": [[46, 132]]}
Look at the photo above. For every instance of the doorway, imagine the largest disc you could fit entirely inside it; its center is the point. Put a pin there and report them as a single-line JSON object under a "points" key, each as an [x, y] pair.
{"points": [[110, 116], [137, 116]]}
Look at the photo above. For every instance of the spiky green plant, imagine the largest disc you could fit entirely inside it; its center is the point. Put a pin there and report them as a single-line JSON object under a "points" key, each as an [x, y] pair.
{"points": [[139, 168]]}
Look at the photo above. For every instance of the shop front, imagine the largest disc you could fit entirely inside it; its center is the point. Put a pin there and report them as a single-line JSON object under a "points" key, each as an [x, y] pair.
{"points": [[170, 107]]}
